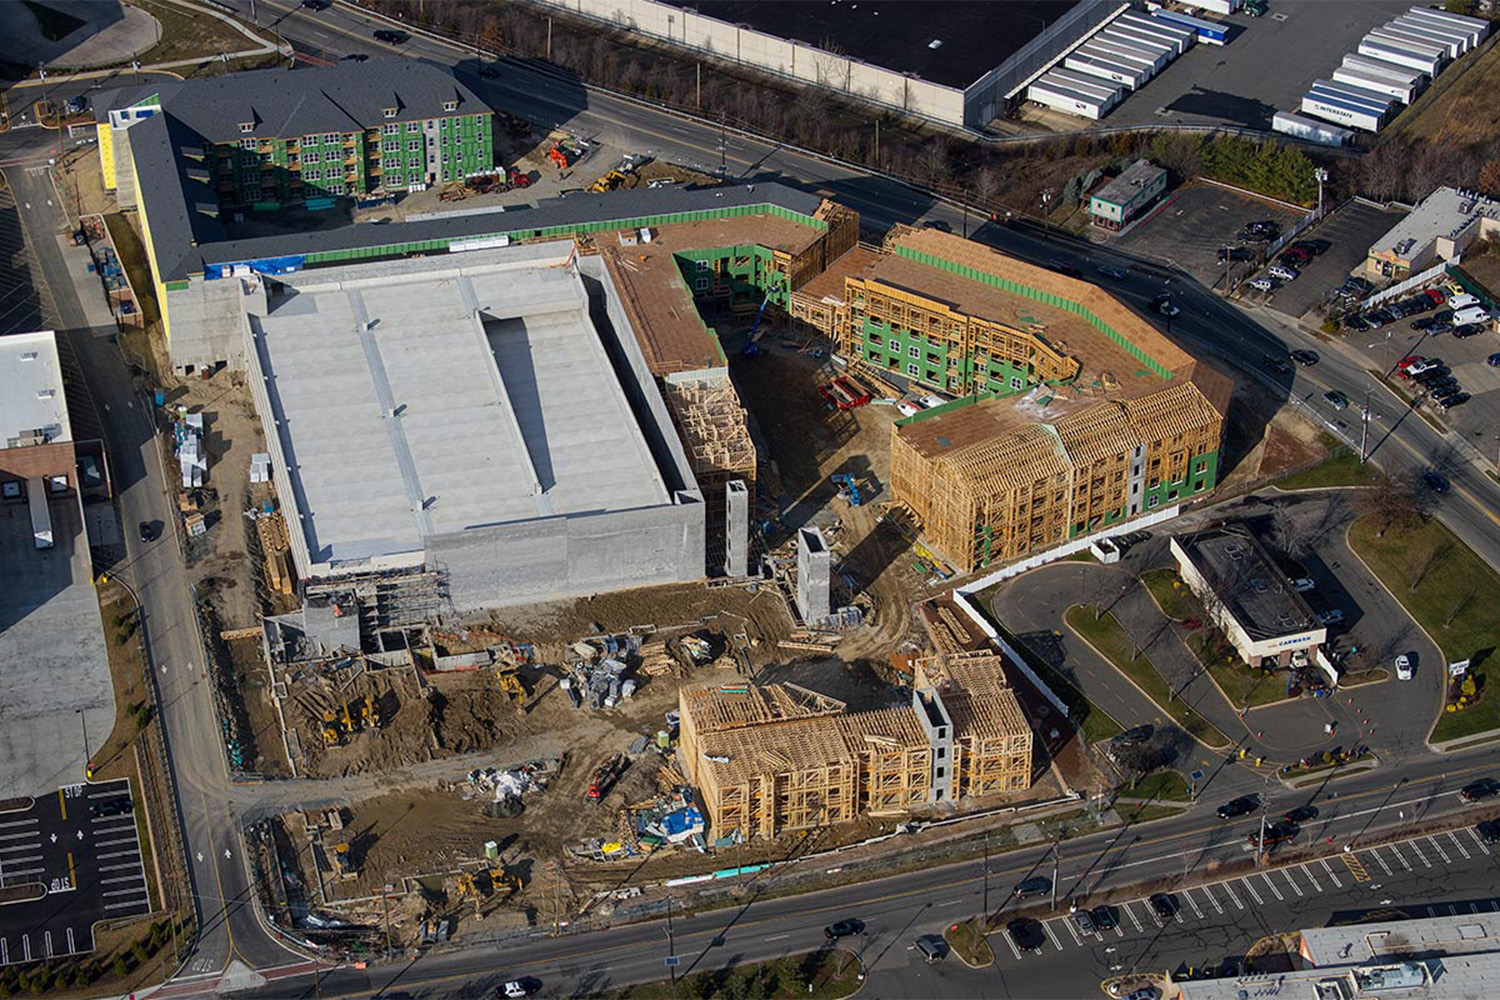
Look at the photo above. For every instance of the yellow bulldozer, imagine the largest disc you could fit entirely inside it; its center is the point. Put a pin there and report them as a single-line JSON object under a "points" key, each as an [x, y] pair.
{"points": [[508, 677], [331, 734], [612, 180]]}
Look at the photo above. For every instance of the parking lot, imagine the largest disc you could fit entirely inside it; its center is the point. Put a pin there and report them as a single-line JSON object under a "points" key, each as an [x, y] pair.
{"points": [[1268, 63], [86, 858], [1349, 232], [1196, 221]]}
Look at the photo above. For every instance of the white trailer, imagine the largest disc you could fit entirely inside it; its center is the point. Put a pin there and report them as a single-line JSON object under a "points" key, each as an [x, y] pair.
{"points": [[1124, 50], [1150, 42], [1451, 46], [1436, 54], [1086, 84], [1353, 92], [1403, 92], [1181, 37], [1157, 54], [1302, 127], [1216, 6], [1380, 48], [1456, 39], [1057, 95], [1479, 26], [1083, 60], [1387, 70], [1342, 112]]}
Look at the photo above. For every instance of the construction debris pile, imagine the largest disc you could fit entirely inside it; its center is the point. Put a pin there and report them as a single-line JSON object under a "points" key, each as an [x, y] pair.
{"points": [[673, 819], [596, 669], [504, 791], [187, 432]]}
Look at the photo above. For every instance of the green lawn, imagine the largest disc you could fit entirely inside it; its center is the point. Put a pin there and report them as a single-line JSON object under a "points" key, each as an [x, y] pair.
{"points": [[969, 943], [833, 974], [186, 34], [1106, 635], [1091, 721], [1341, 468], [1132, 813], [1454, 601], [1166, 786], [1172, 595], [1240, 684]]}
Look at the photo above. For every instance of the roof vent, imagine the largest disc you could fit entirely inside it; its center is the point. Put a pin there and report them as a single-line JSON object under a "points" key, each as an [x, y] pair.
{"points": [[936, 43]]}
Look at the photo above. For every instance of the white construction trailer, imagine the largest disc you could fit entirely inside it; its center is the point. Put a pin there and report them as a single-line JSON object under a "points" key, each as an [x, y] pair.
{"points": [[1123, 51], [1436, 55], [1478, 26], [1158, 54], [1084, 83], [1302, 127], [1056, 94], [1390, 51], [1387, 70], [1150, 42], [1181, 37], [1461, 40], [1096, 63], [1452, 44], [1403, 92]]}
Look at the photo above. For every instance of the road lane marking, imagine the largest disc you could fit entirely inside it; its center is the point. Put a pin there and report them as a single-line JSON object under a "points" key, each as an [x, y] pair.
{"points": [[1478, 842], [1074, 931], [34, 845], [1051, 936], [1189, 897], [1232, 897], [72, 875], [1013, 949], [1286, 874], [62, 804], [122, 906], [115, 829], [1131, 914], [22, 861], [1418, 851], [1211, 899], [1311, 878], [1400, 857], [4, 951], [17, 836], [26, 946], [30, 871], [1271, 885], [951, 902], [1459, 844], [139, 890], [1441, 853], [1329, 872], [1254, 895]]}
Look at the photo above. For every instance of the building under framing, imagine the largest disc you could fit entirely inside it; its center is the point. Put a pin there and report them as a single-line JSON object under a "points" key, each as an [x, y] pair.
{"points": [[1073, 412], [778, 758]]}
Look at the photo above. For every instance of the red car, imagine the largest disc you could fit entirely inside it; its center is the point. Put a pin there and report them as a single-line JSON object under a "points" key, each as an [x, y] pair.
{"points": [[1408, 361], [1435, 295]]}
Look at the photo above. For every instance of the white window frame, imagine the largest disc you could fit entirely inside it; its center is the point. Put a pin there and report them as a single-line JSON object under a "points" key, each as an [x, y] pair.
{"points": [[450, 106], [390, 130], [701, 284], [312, 175], [1016, 383], [247, 126], [388, 112], [414, 145], [413, 128], [914, 371], [332, 139], [895, 346], [247, 144], [914, 351], [312, 157], [309, 140]]}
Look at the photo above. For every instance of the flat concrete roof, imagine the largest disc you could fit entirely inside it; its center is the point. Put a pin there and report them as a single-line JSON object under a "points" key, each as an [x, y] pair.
{"points": [[1356, 944], [54, 668], [972, 36], [1442, 213], [413, 400], [33, 409], [1135, 178], [1247, 581]]}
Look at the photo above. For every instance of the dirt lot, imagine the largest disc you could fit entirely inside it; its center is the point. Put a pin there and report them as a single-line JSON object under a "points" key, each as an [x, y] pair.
{"points": [[1265, 436]]}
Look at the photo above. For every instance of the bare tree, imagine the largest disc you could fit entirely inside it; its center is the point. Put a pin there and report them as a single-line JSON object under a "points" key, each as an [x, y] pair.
{"points": [[1419, 561], [1381, 171], [1458, 607], [1396, 503]]}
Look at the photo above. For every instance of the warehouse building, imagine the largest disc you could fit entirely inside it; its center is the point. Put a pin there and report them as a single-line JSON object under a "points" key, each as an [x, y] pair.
{"points": [[488, 415], [1115, 205], [269, 138], [1440, 228], [778, 758], [1248, 597], [962, 63], [1073, 412]]}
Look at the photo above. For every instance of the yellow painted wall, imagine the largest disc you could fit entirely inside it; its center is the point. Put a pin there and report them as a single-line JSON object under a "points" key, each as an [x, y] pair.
{"points": [[161, 289], [107, 155]]}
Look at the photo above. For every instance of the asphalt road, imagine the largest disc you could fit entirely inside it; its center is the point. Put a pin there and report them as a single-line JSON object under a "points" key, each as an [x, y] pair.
{"points": [[90, 866], [231, 932]]}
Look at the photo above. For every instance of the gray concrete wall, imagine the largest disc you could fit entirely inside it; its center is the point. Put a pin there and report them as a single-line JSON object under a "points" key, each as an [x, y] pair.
{"points": [[572, 556], [814, 564], [737, 528], [207, 323]]}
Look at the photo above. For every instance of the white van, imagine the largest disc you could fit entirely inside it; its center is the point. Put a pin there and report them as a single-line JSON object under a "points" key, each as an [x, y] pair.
{"points": [[1461, 301], [1470, 314]]}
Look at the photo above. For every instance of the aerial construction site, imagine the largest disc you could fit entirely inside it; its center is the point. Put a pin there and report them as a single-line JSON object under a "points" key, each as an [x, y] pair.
{"points": [[591, 549]]}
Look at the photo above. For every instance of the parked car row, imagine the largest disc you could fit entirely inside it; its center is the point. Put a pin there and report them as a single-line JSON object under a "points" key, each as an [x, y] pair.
{"points": [[1434, 378]]}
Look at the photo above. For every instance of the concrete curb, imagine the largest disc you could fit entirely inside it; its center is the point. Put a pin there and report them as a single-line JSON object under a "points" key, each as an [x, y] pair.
{"points": [[1335, 773], [1131, 681]]}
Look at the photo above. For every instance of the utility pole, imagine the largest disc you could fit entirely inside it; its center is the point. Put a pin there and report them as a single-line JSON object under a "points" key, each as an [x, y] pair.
{"points": [[671, 950], [700, 86], [1056, 855], [549, 39], [986, 877], [877, 142], [1320, 175]]}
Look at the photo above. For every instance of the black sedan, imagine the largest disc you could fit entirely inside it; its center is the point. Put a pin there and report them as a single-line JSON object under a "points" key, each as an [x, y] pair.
{"points": [[1483, 788], [1163, 904], [1305, 358], [1239, 807], [843, 929]]}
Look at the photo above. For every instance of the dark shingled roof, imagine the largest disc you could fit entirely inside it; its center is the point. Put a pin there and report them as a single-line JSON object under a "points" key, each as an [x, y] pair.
{"points": [[344, 97]]}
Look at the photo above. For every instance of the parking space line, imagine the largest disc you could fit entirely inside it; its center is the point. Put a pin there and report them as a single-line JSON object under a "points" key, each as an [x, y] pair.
{"points": [[1131, 913], [1459, 845], [1329, 872], [1400, 857], [1271, 885], [4, 952], [47, 943], [1253, 894], [1214, 902], [1286, 874], [1418, 851], [1311, 878], [115, 829], [1119, 931], [1052, 936], [1477, 842], [1232, 897], [1013, 949], [26, 946], [1073, 931], [1441, 853], [1189, 897], [1380, 860]]}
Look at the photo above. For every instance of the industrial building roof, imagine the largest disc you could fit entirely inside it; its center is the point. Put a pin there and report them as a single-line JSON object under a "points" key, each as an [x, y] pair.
{"points": [[344, 97], [1445, 212], [1356, 944], [33, 409], [1248, 582], [411, 402], [1135, 178], [1462, 977], [955, 43]]}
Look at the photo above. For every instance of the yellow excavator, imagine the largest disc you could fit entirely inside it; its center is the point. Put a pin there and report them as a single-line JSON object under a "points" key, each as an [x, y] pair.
{"points": [[339, 858], [331, 734], [508, 677]]}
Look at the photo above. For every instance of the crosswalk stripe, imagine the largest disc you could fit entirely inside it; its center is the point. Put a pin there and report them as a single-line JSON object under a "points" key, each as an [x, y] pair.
{"points": [[18, 822], [1418, 851], [1459, 845], [120, 878], [1253, 894], [34, 845], [1311, 878], [1232, 897], [1479, 843], [1329, 872], [1187, 895], [1272, 885], [1286, 874], [1441, 853], [1212, 901]]}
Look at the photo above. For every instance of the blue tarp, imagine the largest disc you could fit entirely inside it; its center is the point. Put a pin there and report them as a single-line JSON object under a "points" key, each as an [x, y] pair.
{"points": [[266, 265]]}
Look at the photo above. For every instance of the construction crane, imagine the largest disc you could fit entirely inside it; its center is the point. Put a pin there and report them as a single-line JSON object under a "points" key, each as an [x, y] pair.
{"points": [[752, 346], [848, 488]]}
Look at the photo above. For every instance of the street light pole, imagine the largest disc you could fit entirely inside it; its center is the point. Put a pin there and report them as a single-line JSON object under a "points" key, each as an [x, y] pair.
{"points": [[1056, 855], [1320, 175]]}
